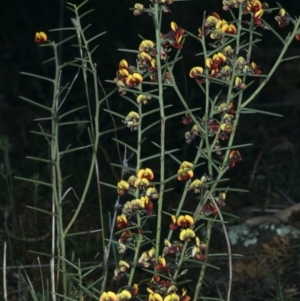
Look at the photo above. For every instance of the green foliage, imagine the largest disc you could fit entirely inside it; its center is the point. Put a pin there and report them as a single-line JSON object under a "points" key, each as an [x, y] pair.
{"points": [[148, 241]]}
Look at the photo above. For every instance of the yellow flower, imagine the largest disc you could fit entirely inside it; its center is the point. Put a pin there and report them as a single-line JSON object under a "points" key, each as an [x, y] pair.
{"points": [[172, 297], [185, 171], [185, 221], [145, 173], [108, 296], [239, 83], [142, 98], [123, 64], [133, 80], [155, 297], [141, 183], [124, 295], [152, 193], [40, 37], [187, 234], [146, 45], [196, 184], [122, 187], [196, 71], [138, 9]]}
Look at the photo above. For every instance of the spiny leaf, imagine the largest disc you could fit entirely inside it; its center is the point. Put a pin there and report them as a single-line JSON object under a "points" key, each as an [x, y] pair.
{"points": [[34, 181], [96, 36], [48, 79]]}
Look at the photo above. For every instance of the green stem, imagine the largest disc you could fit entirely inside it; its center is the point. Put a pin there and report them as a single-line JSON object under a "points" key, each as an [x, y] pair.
{"points": [[138, 241], [95, 134], [56, 172], [206, 112], [157, 20], [203, 269]]}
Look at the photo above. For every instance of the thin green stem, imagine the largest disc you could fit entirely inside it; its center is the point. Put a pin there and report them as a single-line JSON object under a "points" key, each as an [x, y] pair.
{"points": [[206, 111], [138, 241], [203, 268], [157, 18], [56, 172]]}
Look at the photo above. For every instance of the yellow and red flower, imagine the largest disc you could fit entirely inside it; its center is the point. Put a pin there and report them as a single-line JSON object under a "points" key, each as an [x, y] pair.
{"points": [[133, 80], [126, 236], [255, 7], [145, 173], [40, 37], [209, 208], [146, 46], [147, 205], [229, 28], [185, 221], [122, 221], [234, 157], [161, 265], [197, 72], [185, 171], [122, 187], [173, 225], [173, 37], [282, 19], [134, 289]]}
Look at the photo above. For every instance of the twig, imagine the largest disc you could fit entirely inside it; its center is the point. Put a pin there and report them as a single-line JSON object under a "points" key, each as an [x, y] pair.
{"points": [[4, 273], [112, 118], [228, 245]]}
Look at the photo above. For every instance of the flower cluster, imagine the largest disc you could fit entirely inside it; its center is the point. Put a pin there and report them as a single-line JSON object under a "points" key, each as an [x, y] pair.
{"points": [[221, 65], [164, 290], [124, 295], [209, 208], [256, 9], [139, 8], [183, 221], [143, 205], [172, 38], [216, 27], [283, 20], [127, 76]]}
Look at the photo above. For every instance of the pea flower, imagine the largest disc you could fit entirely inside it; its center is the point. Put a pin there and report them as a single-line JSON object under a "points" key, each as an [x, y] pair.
{"points": [[145, 173], [108, 296], [40, 37], [185, 171], [138, 9], [187, 234]]}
